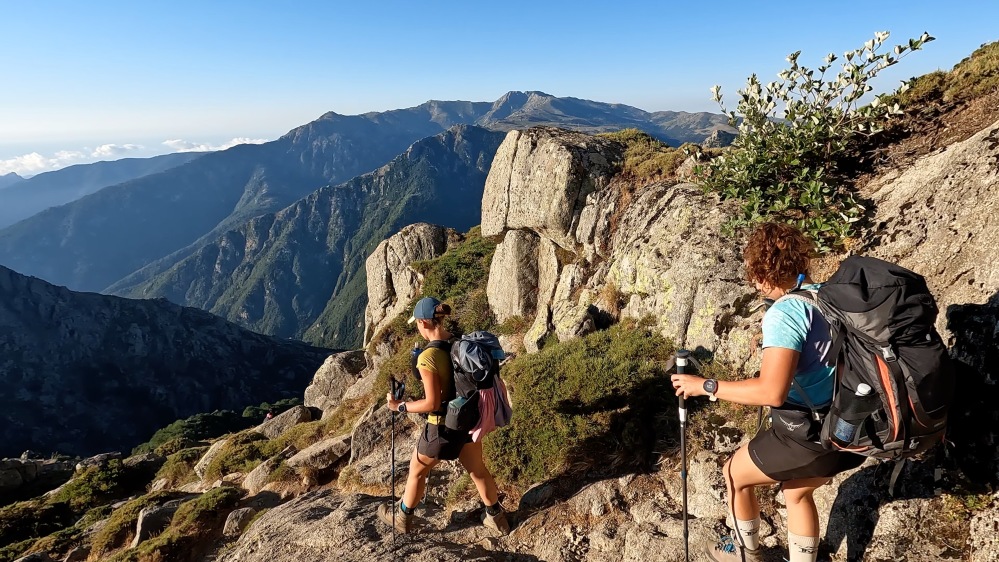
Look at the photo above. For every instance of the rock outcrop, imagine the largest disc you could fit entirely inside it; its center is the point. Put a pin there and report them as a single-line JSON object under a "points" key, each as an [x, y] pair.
{"points": [[325, 526], [392, 284], [580, 249], [719, 139], [937, 218], [24, 476], [338, 374], [513, 289], [284, 421], [539, 178]]}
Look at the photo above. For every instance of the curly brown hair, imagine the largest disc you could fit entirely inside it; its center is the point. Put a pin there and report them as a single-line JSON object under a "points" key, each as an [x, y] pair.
{"points": [[776, 253]]}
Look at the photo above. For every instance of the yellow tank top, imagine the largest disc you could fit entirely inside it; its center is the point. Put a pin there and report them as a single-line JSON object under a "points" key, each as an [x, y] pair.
{"points": [[438, 362]]}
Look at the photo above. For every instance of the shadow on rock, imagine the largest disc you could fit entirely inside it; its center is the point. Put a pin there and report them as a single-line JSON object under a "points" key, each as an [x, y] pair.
{"points": [[974, 418]]}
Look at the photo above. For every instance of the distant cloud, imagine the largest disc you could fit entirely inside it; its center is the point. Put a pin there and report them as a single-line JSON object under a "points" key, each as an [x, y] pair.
{"points": [[35, 163], [179, 145], [108, 150]]}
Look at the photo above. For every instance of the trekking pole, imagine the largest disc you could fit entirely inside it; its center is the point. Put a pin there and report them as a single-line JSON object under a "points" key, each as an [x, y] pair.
{"points": [[682, 360], [682, 356], [398, 389]]}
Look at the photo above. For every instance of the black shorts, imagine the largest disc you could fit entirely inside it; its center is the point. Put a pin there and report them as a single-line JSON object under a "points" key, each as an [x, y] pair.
{"points": [[790, 450], [439, 442]]}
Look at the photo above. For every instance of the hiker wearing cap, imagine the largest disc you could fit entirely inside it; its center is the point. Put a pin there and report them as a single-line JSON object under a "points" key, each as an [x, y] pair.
{"points": [[437, 442], [793, 373]]}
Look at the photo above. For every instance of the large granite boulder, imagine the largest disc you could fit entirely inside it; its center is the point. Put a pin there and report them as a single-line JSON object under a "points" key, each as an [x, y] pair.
{"points": [[322, 455], [392, 284], [284, 421], [538, 178], [937, 218], [512, 288], [582, 250], [340, 372]]}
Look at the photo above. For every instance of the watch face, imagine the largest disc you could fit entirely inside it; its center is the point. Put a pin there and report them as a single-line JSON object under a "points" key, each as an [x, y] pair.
{"points": [[711, 386]]}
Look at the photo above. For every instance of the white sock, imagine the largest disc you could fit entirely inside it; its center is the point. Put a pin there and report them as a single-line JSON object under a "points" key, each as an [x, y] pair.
{"points": [[748, 533], [802, 549]]}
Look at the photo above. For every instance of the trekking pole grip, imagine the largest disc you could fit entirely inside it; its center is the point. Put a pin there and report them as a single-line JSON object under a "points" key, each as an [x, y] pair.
{"points": [[682, 365]]}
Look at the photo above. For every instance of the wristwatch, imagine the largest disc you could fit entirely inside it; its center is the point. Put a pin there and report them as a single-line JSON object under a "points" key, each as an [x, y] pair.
{"points": [[402, 408], [711, 387]]}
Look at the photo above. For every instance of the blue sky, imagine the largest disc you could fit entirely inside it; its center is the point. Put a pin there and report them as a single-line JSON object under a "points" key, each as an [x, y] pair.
{"points": [[106, 79]]}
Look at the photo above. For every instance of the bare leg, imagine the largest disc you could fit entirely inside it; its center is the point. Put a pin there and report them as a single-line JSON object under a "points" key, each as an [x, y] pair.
{"points": [[471, 458], [802, 515], [416, 482], [741, 478]]}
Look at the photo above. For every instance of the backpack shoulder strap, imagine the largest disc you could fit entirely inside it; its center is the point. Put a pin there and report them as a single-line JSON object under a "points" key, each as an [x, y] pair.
{"points": [[803, 295], [810, 296], [439, 344]]}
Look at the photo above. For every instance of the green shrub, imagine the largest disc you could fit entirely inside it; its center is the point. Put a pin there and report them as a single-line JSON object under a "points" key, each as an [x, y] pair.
{"points": [[593, 405], [514, 325], [25, 522], [179, 467], [645, 157], [174, 445], [13, 551], [462, 488], [98, 485], [213, 504], [474, 313], [460, 270], [793, 155], [57, 542], [198, 427], [975, 76], [94, 515], [241, 453], [42, 518], [192, 532], [257, 413], [342, 419], [121, 523]]}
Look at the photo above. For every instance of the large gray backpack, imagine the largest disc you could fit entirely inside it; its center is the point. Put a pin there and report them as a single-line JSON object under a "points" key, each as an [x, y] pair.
{"points": [[881, 318]]}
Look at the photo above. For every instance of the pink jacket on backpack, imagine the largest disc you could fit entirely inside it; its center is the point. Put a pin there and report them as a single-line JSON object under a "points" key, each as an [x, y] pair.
{"points": [[494, 410]]}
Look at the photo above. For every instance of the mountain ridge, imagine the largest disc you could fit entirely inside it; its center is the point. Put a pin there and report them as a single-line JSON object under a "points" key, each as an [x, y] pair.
{"points": [[29, 196], [81, 365], [310, 255], [102, 239]]}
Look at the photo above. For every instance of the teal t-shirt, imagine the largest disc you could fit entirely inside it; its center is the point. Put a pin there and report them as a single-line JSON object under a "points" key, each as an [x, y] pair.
{"points": [[798, 325]]}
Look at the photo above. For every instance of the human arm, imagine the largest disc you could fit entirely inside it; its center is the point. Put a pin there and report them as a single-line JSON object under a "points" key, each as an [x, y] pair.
{"points": [[431, 400], [769, 389]]}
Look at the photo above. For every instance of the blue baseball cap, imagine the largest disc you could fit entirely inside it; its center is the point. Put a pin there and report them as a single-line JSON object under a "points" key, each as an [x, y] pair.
{"points": [[425, 309]]}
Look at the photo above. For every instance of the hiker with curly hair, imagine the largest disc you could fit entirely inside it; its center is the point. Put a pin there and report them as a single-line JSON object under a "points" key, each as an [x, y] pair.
{"points": [[793, 373], [437, 442]]}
